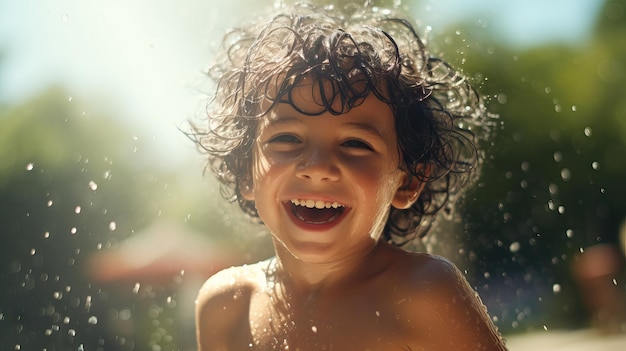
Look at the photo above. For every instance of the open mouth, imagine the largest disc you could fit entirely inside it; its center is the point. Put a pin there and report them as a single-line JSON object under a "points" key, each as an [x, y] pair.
{"points": [[316, 212]]}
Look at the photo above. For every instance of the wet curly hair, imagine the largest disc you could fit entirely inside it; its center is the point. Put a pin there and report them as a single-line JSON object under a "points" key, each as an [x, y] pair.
{"points": [[367, 52]]}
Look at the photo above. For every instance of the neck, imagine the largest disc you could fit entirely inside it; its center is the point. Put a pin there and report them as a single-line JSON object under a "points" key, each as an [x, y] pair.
{"points": [[312, 277]]}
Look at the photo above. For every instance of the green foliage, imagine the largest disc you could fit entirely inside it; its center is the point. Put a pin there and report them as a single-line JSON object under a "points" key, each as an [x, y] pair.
{"points": [[553, 181], [67, 189]]}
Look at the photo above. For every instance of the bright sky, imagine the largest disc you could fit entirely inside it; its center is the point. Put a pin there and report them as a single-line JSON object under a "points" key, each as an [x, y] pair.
{"points": [[142, 56]]}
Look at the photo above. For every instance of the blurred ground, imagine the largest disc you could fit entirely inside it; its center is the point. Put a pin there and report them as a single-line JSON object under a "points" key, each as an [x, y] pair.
{"points": [[580, 340]]}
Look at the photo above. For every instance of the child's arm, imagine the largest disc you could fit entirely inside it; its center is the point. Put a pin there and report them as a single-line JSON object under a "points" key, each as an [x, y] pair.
{"points": [[447, 314]]}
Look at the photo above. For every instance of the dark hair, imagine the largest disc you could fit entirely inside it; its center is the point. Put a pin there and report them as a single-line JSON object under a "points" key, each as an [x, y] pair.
{"points": [[369, 52]]}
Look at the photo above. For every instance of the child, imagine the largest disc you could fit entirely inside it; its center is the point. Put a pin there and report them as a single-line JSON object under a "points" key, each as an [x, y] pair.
{"points": [[343, 136]]}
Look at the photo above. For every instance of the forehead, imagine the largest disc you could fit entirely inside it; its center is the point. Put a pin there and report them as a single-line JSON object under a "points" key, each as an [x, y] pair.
{"points": [[368, 114], [311, 95]]}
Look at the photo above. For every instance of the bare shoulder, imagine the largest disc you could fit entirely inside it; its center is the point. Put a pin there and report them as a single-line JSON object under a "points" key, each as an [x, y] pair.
{"points": [[439, 303], [222, 305], [231, 280]]}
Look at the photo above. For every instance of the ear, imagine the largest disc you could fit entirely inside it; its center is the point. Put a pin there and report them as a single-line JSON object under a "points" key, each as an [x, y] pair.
{"points": [[409, 191], [246, 188]]}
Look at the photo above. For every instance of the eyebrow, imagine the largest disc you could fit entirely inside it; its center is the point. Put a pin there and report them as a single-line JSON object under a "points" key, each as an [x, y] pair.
{"points": [[366, 127], [282, 120], [290, 120]]}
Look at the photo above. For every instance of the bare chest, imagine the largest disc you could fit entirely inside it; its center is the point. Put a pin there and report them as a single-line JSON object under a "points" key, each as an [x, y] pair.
{"points": [[342, 322]]}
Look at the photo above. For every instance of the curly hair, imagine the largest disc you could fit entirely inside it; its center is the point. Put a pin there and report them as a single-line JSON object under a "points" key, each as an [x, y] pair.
{"points": [[370, 52]]}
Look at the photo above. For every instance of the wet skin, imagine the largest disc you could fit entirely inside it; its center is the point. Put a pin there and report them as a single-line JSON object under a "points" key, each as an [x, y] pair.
{"points": [[323, 186]]}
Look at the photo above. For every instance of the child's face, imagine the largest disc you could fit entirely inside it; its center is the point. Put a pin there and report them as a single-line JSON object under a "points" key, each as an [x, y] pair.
{"points": [[348, 165]]}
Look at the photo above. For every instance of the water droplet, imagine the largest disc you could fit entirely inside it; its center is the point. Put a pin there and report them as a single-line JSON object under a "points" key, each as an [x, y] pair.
{"points": [[136, 288], [561, 209], [69, 99], [545, 327], [588, 132], [566, 174], [71, 332], [112, 226], [16, 266], [514, 247], [502, 98], [77, 209], [50, 203], [30, 166], [553, 189], [92, 185], [73, 230], [574, 108], [33, 252], [556, 288], [569, 233], [46, 235], [314, 329], [65, 17], [595, 165], [92, 320], [558, 156]]}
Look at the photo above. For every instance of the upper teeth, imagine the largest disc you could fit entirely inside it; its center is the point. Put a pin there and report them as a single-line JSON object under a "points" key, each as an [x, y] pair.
{"points": [[315, 204]]}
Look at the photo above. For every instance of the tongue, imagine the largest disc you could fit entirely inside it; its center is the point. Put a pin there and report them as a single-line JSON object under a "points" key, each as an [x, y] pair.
{"points": [[316, 215]]}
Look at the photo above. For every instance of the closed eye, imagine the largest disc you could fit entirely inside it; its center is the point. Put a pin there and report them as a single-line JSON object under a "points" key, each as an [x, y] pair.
{"points": [[358, 144], [284, 138]]}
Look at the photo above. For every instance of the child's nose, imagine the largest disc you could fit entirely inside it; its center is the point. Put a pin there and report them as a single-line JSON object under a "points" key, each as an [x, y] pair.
{"points": [[318, 165]]}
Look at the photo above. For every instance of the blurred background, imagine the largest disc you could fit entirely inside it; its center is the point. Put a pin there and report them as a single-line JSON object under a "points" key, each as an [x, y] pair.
{"points": [[108, 225]]}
